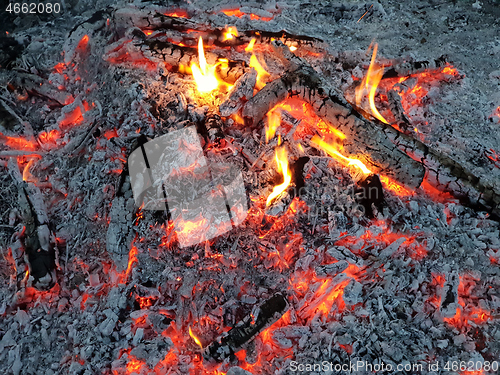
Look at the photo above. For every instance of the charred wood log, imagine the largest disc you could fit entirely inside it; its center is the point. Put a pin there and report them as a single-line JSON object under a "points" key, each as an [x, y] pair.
{"points": [[363, 138], [410, 67], [397, 110], [36, 237], [242, 90], [246, 329], [366, 137], [36, 84]]}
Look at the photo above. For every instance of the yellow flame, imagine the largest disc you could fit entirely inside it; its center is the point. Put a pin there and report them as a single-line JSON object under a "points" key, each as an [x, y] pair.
{"points": [[330, 150], [370, 83], [282, 161], [196, 339], [262, 74], [249, 48], [293, 48], [230, 33], [273, 121], [204, 75]]}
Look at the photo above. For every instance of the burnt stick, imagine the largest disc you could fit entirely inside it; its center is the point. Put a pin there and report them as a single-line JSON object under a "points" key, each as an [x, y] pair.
{"points": [[246, 329]]}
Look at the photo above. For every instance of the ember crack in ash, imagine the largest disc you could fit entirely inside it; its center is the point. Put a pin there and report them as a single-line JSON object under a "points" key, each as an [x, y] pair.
{"points": [[229, 188]]}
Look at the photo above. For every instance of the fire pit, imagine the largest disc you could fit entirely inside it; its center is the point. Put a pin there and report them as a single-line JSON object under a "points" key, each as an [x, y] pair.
{"points": [[254, 188]]}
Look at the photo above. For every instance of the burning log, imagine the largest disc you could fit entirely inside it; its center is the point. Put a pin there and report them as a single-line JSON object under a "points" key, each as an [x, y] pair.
{"points": [[243, 89], [246, 329], [410, 67], [362, 136], [382, 142], [397, 110], [36, 234]]}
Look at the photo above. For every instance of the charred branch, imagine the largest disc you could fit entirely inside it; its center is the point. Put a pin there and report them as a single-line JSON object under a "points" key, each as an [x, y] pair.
{"points": [[246, 329], [35, 237], [410, 67]]}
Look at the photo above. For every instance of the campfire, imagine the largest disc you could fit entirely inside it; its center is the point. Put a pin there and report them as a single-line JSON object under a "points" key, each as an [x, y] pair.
{"points": [[213, 191]]}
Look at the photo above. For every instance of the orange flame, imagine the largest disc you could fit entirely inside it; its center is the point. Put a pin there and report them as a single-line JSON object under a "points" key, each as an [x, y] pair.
{"points": [[282, 161], [330, 150], [370, 83], [262, 74], [196, 339], [230, 33], [204, 75], [27, 176]]}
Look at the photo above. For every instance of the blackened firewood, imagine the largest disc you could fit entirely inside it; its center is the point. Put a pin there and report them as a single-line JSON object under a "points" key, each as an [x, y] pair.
{"points": [[242, 90], [36, 84], [397, 110], [370, 192], [36, 237], [407, 68], [246, 329]]}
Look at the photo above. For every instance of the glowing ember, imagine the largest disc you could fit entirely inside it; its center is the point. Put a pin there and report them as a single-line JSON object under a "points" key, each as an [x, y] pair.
{"points": [[178, 13], [409, 244], [468, 311], [74, 117], [49, 138], [204, 75], [370, 83], [196, 339], [331, 150], [262, 74], [58, 68], [18, 143], [496, 113], [230, 33], [238, 13], [82, 45], [145, 302], [493, 156], [282, 162]]}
